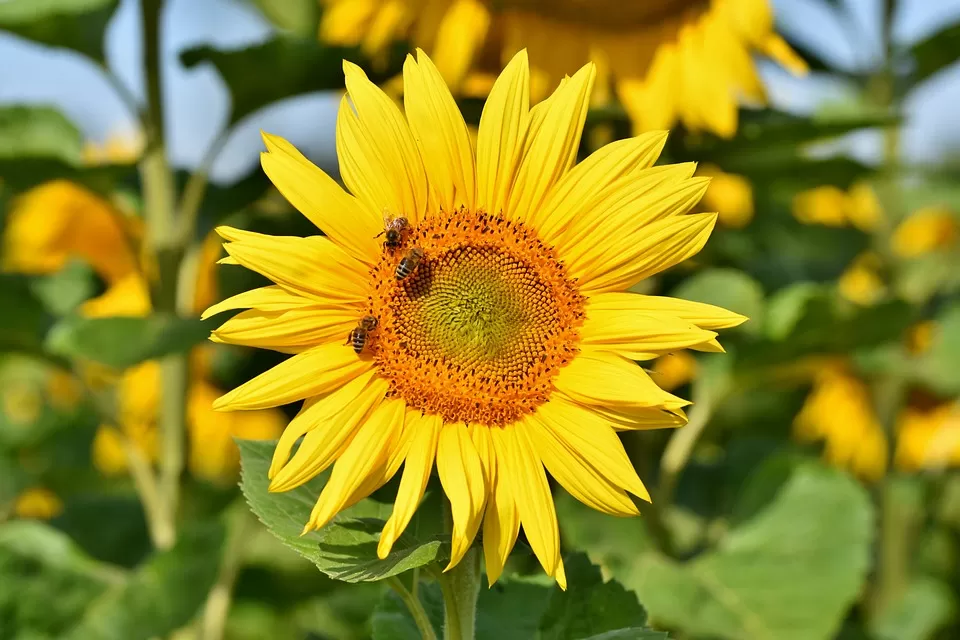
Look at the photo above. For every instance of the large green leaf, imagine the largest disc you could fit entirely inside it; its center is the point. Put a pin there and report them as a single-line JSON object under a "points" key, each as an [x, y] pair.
{"points": [[936, 52], [123, 342], [72, 24], [589, 605], [633, 633], [345, 549], [38, 132], [299, 17], [38, 144], [276, 69], [46, 581], [162, 595], [925, 607], [789, 573], [24, 321]]}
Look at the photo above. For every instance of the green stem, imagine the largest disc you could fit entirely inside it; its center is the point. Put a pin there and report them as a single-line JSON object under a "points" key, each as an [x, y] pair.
{"points": [[460, 587], [162, 233], [217, 607], [414, 605], [680, 447]]}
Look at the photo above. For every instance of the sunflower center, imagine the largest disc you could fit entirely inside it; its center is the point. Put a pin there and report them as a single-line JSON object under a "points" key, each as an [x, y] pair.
{"points": [[477, 330], [614, 15]]}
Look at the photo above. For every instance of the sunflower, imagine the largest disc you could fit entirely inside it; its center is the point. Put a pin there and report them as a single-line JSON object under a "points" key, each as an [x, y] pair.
{"points": [[509, 347], [668, 60]]}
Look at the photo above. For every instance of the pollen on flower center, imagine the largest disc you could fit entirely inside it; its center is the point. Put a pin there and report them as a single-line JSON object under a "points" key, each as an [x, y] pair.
{"points": [[479, 329]]}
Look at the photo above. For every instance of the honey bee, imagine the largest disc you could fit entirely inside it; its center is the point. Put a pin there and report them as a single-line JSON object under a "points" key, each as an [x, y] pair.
{"points": [[358, 336], [409, 263], [394, 229]]}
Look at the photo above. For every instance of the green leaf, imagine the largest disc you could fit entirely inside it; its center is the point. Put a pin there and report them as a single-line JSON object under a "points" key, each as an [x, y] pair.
{"points": [[935, 52], [38, 144], [41, 132], [46, 581], [925, 607], [62, 292], [937, 368], [392, 620], [299, 17], [23, 322], [589, 605], [279, 68], [789, 573], [72, 24], [345, 549], [633, 633], [727, 288], [123, 342], [162, 595]]}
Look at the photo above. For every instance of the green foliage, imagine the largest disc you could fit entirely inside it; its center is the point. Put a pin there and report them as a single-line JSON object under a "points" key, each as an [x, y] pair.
{"points": [[71, 24], [299, 17], [162, 595], [24, 321], [935, 52], [521, 609], [38, 144], [279, 68], [925, 607], [123, 342], [728, 288], [345, 549]]}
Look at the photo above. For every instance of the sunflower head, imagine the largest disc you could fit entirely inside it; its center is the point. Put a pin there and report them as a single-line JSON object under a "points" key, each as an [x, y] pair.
{"points": [[505, 338]]}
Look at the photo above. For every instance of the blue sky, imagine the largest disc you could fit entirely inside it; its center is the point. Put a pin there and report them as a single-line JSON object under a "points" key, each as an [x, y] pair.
{"points": [[198, 101]]}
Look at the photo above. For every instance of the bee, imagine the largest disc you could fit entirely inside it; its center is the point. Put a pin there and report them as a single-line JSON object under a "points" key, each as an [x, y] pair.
{"points": [[409, 263], [394, 229], [358, 337]]}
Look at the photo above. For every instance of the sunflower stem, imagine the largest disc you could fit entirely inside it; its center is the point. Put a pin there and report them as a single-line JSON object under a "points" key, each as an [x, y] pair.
{"points": [[460, 587], [409, 597], [159, 193]]}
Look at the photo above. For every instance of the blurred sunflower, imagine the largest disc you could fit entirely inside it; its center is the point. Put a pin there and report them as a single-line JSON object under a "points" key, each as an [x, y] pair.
{"points": [[924, 231], [669, 61], [37, 503], [831, 206], [59, 221], [508, 347]]}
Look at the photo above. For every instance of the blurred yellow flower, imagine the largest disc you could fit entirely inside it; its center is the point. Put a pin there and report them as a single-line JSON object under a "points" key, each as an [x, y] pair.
{"points": [[730, 195], [213, 455], [928, 439], [117, 148], [920, 336], [59, 220], [830, 206], [839, 412], [863, 207], [673, 370], [925, 230], [825, 205], [37, 503], [862, 283], [22, 401], [668, 60], [63, 390]]}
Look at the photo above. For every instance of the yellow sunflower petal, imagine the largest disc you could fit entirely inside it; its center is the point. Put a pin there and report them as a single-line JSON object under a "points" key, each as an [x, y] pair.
{"points": [[306, 374], [441, 134], [605, 379], [665, 244], [639, 418], [502, 127], [416, 473], [628, 333], [461, 475], [379, 161], [286, 331], [587, 435], [315, 194], [460, 36], [501, 520], [551, 143], [575, 475], [523, 471], [705, 316], [601, 168], [363, 456], [273, 298], [314, 267], [317, 411], [327, 424]]}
